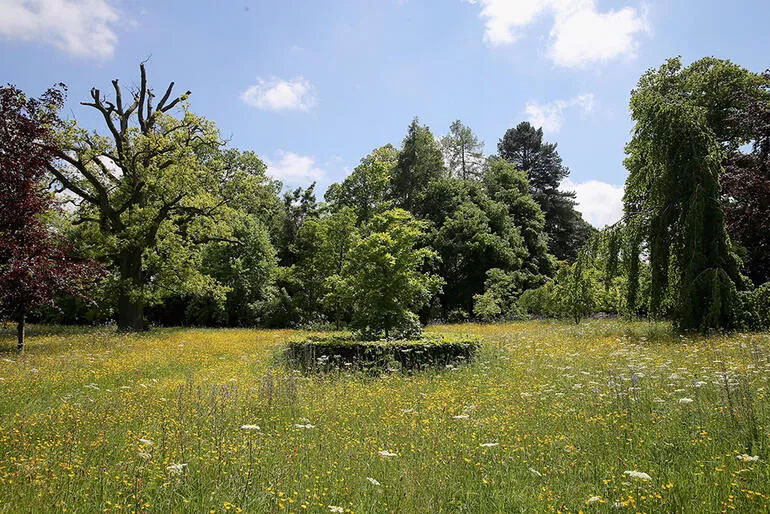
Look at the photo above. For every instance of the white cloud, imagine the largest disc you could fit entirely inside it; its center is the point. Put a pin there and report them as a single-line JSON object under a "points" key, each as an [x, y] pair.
{"points": [[580, 34], [280, 95], [550, 116], [80, 27], [294, 169], [600, 203]]}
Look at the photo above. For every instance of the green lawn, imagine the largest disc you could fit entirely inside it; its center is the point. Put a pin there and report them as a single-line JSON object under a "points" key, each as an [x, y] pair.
{"points": [[550, 417]]}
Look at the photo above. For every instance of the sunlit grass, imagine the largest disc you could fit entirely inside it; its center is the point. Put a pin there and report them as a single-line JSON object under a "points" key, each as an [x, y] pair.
{"points": [[550, 417]]}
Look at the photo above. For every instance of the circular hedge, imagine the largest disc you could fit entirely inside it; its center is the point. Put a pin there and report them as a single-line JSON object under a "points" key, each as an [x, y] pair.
{"points": [[340, 352]]}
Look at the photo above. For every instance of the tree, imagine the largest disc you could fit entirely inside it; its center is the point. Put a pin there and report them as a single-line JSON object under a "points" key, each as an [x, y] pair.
{"points": [[471, 234], [385, 278], [247, 267], [672, 200], [299, 206], [733, 103], [419, 163], [322, 248], [152, 193], [463, 152], [746, 180], [36, 264], [365, 189], [524, 147], [509, 186]]}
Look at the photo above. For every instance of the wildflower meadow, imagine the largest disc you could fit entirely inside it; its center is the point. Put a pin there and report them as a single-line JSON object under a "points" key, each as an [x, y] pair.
{"points": [[551, 416]]}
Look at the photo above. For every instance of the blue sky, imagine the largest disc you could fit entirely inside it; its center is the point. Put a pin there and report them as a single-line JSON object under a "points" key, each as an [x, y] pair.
{"points": [[313, 86]]}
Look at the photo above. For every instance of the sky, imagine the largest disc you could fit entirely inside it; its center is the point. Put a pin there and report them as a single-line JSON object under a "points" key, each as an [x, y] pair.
{"points": [[313, 86]]}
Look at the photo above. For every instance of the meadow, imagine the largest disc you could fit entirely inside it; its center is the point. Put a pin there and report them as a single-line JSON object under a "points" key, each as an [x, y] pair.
{"points": [[607, 415]]}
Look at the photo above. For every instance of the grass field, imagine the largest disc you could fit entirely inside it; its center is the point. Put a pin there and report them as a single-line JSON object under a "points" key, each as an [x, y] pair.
{"points": [[551, 417]]}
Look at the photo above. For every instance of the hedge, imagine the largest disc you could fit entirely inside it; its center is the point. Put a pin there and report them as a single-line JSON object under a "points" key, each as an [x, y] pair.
{"points": [[345, 352]]}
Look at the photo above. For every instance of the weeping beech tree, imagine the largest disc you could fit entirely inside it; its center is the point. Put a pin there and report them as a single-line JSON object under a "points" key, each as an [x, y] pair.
{"points": [[152, 193], [672, 206]]}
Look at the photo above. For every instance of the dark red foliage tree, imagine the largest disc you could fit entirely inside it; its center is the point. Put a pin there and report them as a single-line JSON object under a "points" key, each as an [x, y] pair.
{"points": [[746, 186], [35, 261]]}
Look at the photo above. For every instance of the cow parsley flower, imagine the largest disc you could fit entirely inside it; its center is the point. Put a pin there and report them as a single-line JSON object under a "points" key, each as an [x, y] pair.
{"points": [[747, 458], [685, 400], [638, 475], [307, 425], [176, 469], [334, 508]]}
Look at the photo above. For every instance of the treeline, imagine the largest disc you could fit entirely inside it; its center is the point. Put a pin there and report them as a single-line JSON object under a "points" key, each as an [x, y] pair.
{"points": [[694, 242], [195, 233], [191, 232]]}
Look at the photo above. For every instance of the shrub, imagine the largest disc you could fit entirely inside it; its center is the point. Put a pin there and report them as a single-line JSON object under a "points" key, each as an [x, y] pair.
{"points": [[754, 308], [337, 352]]}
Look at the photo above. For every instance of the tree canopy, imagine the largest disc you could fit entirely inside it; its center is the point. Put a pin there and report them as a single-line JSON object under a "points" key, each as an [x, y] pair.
{"points": [[36, 262], [524, 147], [153, 192]]}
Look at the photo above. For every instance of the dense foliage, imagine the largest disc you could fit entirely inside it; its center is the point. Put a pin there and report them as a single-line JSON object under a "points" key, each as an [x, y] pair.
{"points": [[524, 147], [196, 233], [36, 263], [153, 193]]}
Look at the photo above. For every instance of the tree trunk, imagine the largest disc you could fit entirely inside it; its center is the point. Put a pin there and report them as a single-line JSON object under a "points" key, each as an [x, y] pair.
{"points": [[20, 332], [130, 311]]}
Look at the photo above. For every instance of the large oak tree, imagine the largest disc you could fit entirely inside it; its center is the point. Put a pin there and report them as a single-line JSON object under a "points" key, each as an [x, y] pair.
{"points": [[152, 191]]}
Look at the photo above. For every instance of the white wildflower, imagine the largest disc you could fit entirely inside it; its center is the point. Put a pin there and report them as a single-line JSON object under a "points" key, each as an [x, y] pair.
{"points": [[489, 445], [146, 442], [307, 425], [685, 400], [535, 472], [373, 481], [638, 474], [334, 508], [386, 453], [250, 427], [176, 469], [594, 499], [461, 416], [747, 458]]}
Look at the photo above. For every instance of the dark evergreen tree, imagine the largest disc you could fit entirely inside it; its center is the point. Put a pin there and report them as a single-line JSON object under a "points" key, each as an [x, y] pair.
{"points": [[419, 163], [524, 147]]}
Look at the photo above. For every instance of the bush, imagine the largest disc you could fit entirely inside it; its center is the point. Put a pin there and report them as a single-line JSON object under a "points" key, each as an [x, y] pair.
{"points": [[338, 352], [754, 308]]}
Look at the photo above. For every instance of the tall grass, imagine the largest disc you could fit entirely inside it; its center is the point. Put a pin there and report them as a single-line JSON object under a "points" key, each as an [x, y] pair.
{"points": [[550, 417]]}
